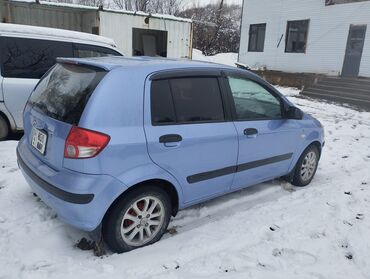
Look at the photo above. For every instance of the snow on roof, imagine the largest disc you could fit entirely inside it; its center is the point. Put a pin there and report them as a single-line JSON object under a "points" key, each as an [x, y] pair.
{"points": [[159, 16], [77, 6], [54, 32]]}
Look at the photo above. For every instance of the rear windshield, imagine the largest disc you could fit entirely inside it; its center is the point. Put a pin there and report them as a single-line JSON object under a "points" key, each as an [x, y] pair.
{"points": [[63, 92]]}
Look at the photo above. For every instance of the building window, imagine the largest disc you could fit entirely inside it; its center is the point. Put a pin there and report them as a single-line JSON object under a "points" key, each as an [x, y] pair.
{"points": [[296, 36], [257, 37]]}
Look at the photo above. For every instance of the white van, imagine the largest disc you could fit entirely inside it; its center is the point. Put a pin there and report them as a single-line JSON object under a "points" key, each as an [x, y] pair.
{"points": [[26, 53]]}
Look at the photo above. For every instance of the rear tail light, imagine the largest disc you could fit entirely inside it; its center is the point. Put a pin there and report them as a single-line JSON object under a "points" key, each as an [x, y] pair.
{"points": [[82, 143]]}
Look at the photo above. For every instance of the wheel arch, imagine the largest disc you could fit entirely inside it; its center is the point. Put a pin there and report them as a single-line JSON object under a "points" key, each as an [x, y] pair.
{"points": [[163, 184], [7, 125], [316, 143], [8, 118]]}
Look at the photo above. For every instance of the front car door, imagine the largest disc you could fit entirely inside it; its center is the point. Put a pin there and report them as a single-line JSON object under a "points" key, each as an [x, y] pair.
{"points": [[190, 134], [267, 140], [24, 62]]}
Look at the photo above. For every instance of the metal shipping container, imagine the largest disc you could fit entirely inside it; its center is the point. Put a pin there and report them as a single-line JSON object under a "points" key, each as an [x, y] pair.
{"points": [[135, 33]]}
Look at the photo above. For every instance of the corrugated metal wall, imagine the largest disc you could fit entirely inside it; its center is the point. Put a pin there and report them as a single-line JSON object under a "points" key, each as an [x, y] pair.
{"points": [[49, 16], [327, 35], [119, 26]]}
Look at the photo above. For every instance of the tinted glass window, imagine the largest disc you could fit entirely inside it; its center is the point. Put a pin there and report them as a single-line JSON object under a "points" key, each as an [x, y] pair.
{"points": [[296, 37], [30, 58], [161, 103], [257, 37], [63, 93], [197, 99], [252, 101], [84, 51]]}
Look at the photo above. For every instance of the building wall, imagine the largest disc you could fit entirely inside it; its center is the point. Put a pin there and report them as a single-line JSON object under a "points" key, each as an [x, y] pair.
{"points": [[119, 26], [327, 35]]}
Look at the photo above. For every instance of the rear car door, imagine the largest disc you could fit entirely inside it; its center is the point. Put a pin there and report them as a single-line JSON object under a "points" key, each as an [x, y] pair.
{"points": [[24, 62], [190, 135], [267, 140]]}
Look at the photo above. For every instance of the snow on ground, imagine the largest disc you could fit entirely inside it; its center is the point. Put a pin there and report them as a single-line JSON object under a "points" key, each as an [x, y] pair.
{"points": [[271, 230], [222, 58]]}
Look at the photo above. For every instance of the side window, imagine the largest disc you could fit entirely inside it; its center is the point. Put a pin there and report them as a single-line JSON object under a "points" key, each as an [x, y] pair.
{"points": [[30, 58], [85, 51], [161, 103], [252, 101], [186, 100], [197, 99]]}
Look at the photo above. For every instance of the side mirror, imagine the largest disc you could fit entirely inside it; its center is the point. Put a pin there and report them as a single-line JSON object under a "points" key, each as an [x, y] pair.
{"points": [[293, 113]]}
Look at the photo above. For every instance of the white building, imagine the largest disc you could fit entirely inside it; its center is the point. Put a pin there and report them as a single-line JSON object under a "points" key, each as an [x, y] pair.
{"points": [[135, 33], [329, 37]]}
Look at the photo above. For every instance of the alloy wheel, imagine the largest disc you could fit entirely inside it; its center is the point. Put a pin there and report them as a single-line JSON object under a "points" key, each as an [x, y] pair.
{"points": [[142, 221], [308, 166]]}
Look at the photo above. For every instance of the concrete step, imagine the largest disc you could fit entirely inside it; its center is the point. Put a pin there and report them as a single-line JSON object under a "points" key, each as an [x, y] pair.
{"points": [[354, 101], [331, 82], [353, 91], [363, 81], [342, 91]]}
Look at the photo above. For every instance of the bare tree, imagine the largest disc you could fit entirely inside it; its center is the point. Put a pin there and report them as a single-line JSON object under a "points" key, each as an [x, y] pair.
{"points": [[171, 7], [94, 3], [216, 27], [218, 19], [132, 5], [120, 4], [59, 1]]}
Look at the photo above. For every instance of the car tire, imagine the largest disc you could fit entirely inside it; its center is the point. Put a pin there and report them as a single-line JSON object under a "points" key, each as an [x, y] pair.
{"points": [[4, 128], [142, 214], [306, 166]]}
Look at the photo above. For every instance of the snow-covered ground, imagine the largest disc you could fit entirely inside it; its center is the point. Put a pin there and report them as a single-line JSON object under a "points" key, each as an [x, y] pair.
{"points": [[271, 230], [222, 58]]}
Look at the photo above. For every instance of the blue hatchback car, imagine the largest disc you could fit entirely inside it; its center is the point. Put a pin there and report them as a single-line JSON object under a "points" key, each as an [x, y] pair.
{"points": [[121, 144]]}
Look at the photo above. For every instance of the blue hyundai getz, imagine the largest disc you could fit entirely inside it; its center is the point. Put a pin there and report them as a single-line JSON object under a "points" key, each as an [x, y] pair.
{"points": [[121, 144]]}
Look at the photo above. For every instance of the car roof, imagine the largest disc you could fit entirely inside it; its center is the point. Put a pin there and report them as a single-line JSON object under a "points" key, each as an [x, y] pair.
{"points": [[148, 64], [52, 33]]}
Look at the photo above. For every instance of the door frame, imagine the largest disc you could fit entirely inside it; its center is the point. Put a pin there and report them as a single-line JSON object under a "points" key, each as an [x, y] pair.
{"points": [[346, 56]]}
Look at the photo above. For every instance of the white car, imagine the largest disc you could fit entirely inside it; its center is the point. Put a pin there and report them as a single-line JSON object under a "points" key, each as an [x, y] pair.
{"points": [[27, 53]]}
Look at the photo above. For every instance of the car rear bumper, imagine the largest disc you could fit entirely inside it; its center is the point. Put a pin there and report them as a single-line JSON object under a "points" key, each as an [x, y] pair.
{"points": [[85, 206], [51, 189]]}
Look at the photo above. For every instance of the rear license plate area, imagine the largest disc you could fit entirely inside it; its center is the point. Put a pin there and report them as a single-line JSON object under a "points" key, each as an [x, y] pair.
{"points": [[39, 140]]}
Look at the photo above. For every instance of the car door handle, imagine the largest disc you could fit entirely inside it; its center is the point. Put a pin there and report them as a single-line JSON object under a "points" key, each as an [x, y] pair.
{"points": [[251, 132], [170, 138]]}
